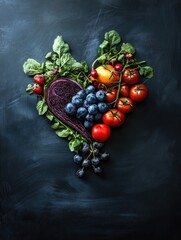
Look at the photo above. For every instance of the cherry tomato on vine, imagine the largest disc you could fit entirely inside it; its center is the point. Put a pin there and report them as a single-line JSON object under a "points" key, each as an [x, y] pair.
{"points": [[94, 73], [101, 132], [39, 79], [129, 56], [38, 89], [130, 76], [139, 92], [124, 90], [113, 118], [111, 95], [118, 67], [125, 104]]}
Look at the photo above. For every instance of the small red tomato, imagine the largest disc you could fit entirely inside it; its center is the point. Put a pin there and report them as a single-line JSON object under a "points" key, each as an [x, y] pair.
{"points": [[125, 105], [129, 56], [139, 92], [111, 95], [101, 132], [94, 73], [130, 76], [39, 79], [113, 118], [38, 89], [124, 90], [118, 67]]}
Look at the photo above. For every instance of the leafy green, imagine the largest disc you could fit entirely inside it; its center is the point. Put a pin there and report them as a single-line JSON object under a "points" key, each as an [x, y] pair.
{"points": [[112, 37], [146, 71], [29, 88], [32, 67], [41, 107], [128, 48], [59, 46]]}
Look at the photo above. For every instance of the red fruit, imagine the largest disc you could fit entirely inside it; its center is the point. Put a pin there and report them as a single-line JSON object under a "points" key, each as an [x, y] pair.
{"points": [[39, 79], [38, 90], [124, 90], [101, 132], [129, 56], [139, 92], [118, 67], [94, 73]]}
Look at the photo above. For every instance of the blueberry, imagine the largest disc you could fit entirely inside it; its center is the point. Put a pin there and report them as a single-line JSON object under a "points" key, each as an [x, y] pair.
{"points": [[90, 89], [86, 104], [91, 98], [96, 151], [86, 163], [100, 95], [98, 144], [103, 107], [81, 94], [93, 109], [85, 149], [98, 170], [70, 109], [81, 113], [80, 173], [88, 124], [77, 101], [98, 116], [78, 158], [95, 161], [104, 156], [89, 117]]}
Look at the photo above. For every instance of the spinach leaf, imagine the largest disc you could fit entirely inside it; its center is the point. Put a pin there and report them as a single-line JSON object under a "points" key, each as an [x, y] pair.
{"points": [[146, 71], [59, 46], [32, 67], [127, 47]]}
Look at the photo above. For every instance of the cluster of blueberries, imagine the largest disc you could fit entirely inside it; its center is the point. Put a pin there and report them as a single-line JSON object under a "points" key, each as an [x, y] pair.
{"points": [[91, 155], [88, 105]]}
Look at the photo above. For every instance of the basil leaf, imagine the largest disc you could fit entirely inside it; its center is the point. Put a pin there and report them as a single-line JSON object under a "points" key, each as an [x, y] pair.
{"points": [[29, 88], [49, 115], [112, 37], [41, 107], [127, 47], [75, 143], [59, 46], [63, 133], [146, 71], [64, 58], [32, 67]]}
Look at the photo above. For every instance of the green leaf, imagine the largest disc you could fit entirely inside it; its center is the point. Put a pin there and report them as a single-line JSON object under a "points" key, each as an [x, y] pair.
{"points": [[32, 67], [41, 107], [49, 115], [127, 47], [120, 57], [112, 37], [29, 88], [64, 59], [102, 59], [49, 65], [59, 46], [48, 55], [146, 71], [104, 44], [63, 133]]}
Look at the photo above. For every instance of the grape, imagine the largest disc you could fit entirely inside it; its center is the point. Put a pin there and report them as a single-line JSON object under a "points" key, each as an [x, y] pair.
{"points": [[96, 151], [95, 161], [89, 117], [85, 149], [88, 124], [98, 170], [80, 173], [86, 163], [78, 158], [98, 116], [104, 156], [98, 144]]}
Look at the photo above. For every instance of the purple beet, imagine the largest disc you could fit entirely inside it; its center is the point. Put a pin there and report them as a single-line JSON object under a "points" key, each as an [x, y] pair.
{"points": [[58, 93]]}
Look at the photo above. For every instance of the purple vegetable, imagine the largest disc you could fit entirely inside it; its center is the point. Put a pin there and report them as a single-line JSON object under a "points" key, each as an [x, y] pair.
{"points": [[58, 93]]}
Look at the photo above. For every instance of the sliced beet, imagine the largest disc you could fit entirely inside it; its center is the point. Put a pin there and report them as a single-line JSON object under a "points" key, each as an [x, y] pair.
{"points": [[58, 93]]}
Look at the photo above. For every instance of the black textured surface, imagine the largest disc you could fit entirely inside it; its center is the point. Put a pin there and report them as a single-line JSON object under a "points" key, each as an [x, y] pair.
{"points": [[139, 195]]}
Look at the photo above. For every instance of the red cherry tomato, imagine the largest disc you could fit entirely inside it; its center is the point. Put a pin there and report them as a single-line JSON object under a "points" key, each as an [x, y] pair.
{"points": [[139, 92], [113, 118], [125, 105], [118, 67], [124, 90], [94, 73], [101, 132], [111, 95], [38, 89], [130, 76], [39, 79]]}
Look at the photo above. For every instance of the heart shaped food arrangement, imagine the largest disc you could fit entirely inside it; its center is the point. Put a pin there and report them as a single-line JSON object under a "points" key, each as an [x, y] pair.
{"points": [[85, 105]]}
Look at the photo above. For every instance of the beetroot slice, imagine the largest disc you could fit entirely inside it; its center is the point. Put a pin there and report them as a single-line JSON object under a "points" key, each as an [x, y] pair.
{"points": [[58, 93]]}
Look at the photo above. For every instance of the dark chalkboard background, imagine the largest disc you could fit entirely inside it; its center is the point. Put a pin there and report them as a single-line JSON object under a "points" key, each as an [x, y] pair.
{"points": [[139, 196]]}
